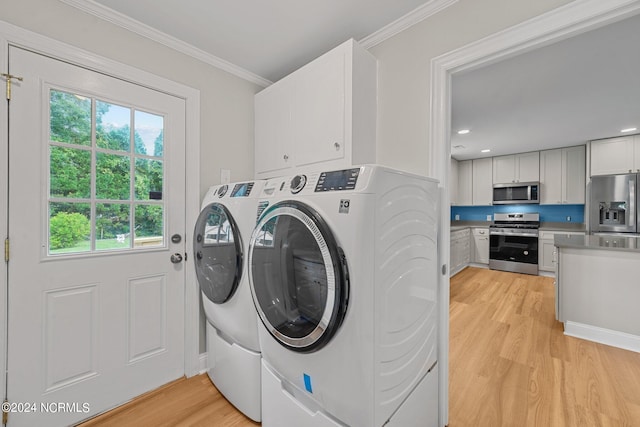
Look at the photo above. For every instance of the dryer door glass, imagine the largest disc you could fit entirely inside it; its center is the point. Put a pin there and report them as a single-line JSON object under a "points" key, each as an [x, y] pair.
{"points": [[299, 277], [218, 253]]}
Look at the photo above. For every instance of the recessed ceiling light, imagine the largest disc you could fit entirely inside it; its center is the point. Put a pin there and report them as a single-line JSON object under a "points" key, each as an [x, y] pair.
{"points": [[463, 131], [486, 150], [622, 130]]}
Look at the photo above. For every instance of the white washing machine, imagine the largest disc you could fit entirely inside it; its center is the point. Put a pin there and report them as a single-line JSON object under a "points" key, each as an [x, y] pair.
{"points": [[343, 273], [226, 221]]}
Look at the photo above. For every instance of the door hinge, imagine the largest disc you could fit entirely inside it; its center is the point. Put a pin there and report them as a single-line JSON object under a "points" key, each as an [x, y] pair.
{"points": [[6, 250], [5, 414], [9, 78]]}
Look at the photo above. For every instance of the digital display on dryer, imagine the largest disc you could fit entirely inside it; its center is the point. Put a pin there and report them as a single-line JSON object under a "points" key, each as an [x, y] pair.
{"points": [[242, 189], [338, 180]]}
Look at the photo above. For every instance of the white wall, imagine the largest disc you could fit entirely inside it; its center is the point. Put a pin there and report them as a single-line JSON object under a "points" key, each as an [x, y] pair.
{"points": [[404, 71], [226, 101]]}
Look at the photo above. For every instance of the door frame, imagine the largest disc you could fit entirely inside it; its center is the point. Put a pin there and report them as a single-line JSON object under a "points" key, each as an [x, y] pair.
{"points": [[563, 22], [20, 37]]}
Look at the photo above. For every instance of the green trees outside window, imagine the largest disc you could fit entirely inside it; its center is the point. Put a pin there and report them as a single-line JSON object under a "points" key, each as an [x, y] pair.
{"points": [[105, 181]]}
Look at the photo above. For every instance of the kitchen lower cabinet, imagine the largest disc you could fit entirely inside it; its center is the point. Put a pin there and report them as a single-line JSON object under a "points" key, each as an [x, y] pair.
{"points": [[480, 245], [547, 252], [460, 254]]}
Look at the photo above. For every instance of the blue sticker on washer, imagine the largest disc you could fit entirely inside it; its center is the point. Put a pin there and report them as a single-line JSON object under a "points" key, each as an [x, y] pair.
{"points": [[307, 383]]}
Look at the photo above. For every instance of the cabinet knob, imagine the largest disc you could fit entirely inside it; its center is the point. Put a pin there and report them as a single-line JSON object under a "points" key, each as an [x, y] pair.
{"points": [[337, 145], [285, 157]]}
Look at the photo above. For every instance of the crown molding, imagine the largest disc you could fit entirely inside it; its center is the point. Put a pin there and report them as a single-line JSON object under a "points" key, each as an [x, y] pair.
{"points": [[410, 19], [123, 21]]}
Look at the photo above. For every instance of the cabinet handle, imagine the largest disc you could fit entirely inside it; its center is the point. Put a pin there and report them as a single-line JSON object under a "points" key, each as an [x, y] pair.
{"points": [[337, 145], [285, 157]]}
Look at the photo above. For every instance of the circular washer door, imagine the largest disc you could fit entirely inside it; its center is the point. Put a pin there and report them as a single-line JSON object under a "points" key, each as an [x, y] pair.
{"points": [[299, 277], [218, 253]]}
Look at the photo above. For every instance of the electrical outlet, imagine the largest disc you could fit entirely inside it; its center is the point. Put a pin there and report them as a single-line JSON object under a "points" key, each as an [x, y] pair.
{"points": [[489, 218], [568, 219], [457, 217]]}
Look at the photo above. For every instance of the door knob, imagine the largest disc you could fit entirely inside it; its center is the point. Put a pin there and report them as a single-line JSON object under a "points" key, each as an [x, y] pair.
{"points": [[176, 258]]}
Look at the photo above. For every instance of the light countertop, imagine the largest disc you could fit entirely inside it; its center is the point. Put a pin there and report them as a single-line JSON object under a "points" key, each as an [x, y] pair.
{"points": [[615, 243]]}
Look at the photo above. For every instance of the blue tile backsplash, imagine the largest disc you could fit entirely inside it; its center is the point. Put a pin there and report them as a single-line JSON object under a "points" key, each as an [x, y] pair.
{"points": [[548, 213]]}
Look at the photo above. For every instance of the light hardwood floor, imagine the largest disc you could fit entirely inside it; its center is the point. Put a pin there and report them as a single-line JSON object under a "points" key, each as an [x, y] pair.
{"points": [[510, 365], [184, 402]]}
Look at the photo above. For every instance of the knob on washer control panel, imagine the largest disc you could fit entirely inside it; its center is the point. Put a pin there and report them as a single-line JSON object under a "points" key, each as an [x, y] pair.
{"points": [[297, 183]]}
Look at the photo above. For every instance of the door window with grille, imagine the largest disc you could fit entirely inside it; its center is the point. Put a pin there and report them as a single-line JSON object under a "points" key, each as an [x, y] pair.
{"points": [[106, 175]]}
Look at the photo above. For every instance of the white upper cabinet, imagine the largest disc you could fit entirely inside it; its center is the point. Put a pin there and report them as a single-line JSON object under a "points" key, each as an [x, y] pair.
{"points": [[523, 167], [615, 155], [562, 176], [482, 186], [465, 183], [453, 182], [321, 116]]}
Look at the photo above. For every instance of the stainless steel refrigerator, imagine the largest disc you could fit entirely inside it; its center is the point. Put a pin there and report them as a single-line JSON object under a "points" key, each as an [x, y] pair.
{"points": [[614, 204]]}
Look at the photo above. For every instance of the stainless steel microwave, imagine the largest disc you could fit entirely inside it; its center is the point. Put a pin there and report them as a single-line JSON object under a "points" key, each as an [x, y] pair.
{"points": [[520, 192]]}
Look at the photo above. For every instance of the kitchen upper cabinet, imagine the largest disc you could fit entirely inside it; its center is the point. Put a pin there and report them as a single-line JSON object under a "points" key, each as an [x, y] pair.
{"points": [[465, 183], [523, 167], [321, 116], [482, 193], [562, 176], [453, 182], [615, 155]]}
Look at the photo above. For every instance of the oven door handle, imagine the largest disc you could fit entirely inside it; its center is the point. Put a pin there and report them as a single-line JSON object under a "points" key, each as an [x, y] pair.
{"points": [[500, 233]]}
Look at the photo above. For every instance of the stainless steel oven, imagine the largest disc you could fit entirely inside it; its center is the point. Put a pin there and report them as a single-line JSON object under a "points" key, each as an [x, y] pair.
{"points": [[513, 242]]}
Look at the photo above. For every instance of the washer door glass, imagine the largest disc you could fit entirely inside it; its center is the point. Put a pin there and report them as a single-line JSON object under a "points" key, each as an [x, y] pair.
{"points": [[218, 253], [299, 276]]}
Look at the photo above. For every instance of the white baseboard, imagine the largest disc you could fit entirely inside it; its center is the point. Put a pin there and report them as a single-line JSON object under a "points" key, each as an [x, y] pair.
{"points": [[603, 336], [202, 363]]}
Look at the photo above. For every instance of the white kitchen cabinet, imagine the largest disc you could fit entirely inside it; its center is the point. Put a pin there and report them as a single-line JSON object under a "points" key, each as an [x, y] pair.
{"points": [[615, 155], [482, 193], [524, 167], [322, 116], [460, 251], [465, 183], [547, 253], [480, 245], [453, 182], [562, 176]]}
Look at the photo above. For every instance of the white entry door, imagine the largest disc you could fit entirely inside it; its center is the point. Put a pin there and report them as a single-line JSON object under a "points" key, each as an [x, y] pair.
{"points": [[96, 211]]}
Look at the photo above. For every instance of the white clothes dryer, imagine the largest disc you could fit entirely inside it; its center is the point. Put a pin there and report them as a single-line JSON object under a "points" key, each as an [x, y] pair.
{"points": [[226, 221], [343, 273]]}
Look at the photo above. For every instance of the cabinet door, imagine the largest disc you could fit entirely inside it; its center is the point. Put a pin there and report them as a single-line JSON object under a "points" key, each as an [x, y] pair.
{"points": [[482, 181], [611, 156], [528, 167], [465, 183], [273, 128], [636, 153], [551, 177], [546, 258], [504, 169], [453, 182], [318, 113], [573, 175], [480, 246]]}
